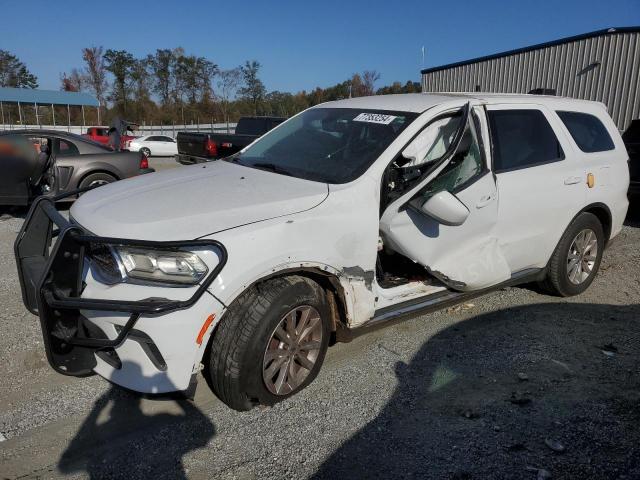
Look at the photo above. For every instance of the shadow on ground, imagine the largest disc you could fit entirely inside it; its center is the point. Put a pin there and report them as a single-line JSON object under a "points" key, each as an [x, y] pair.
{"points": [[480, 399], [121, 439]]}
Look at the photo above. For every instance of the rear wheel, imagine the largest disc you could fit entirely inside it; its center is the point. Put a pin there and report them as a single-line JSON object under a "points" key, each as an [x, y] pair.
{"points": [[95, 179], [145, 151], [270, 344], [577, 257]]}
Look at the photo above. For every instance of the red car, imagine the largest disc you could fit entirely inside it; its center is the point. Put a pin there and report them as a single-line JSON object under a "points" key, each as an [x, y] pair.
{"points": [[101, 135]]}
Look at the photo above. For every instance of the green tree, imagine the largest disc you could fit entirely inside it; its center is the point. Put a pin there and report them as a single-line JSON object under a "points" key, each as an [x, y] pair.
{"points": [[253, 89], [194, 75], [120, 63], [14, 73], [161, 65]]}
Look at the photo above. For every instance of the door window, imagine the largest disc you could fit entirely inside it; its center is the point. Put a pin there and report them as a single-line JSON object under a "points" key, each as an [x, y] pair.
{"points": [[587, 131], [432, 143], [522, 139], [466, 165]]}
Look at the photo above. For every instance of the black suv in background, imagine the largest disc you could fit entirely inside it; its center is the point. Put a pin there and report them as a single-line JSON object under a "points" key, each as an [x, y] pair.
{"points": [[631, 139]]}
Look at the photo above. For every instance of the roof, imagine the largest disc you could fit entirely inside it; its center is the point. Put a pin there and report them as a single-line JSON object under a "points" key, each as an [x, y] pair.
{"points": [[39, 131], [402, 102], [46, 97], [597, 33], [419, 102]]}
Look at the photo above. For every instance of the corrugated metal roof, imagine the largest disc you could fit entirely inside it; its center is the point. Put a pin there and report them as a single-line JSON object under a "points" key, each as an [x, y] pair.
{"points": [[552, 43], [46, 97], [602, 66]]}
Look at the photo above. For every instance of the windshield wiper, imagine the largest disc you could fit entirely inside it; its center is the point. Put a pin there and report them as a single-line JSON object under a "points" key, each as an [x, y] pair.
{"points": [[272, 167]]}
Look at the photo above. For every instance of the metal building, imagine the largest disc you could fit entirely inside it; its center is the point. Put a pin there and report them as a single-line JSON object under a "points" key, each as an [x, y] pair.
{"points": [[602, 66]]}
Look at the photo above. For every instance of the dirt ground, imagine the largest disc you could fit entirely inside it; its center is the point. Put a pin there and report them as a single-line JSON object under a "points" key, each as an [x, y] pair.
{"points": [[516, 384]]}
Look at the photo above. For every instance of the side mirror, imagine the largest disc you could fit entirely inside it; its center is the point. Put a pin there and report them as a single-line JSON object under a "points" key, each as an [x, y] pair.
{"points": [[445, 208]]}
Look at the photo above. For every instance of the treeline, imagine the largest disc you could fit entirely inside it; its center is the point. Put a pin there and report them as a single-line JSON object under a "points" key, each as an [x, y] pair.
{"points": [[171, 86]]}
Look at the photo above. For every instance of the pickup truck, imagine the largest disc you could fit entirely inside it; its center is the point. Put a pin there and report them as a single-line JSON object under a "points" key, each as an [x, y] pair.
{"points": [[101, 135], [202, 147]]}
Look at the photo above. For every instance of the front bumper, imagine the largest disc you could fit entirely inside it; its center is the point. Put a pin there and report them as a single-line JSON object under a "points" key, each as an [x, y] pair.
{"points": [[50, 256]]}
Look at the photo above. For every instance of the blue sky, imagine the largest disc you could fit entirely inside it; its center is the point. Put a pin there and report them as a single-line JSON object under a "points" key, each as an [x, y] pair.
{"points": [[300, 44]]}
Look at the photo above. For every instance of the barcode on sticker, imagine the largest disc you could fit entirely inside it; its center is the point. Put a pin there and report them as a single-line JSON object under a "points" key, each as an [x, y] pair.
{"points": [[375, 118]]}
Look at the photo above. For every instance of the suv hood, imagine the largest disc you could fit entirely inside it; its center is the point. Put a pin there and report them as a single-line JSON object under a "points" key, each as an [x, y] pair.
{"points": [[194, 201]]}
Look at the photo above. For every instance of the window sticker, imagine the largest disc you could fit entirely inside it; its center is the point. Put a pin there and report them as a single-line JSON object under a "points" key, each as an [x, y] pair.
{"points": [[375, 118]]}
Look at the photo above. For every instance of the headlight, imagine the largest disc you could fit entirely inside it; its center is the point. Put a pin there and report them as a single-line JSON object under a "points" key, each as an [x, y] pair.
{"points": [[149, 266], [162, 266]]}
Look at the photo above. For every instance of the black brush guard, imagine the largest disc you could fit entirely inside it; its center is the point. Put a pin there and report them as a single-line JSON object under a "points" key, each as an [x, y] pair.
{"points": [[50, 256]]}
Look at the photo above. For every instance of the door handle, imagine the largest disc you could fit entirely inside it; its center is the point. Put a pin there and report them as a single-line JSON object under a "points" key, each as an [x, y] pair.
{"points": [[484, 201], [572, 180]]}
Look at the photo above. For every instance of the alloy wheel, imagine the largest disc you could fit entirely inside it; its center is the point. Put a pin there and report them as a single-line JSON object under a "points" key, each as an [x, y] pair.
{"points": [[582, 256], [98, 182], [292, 350]]}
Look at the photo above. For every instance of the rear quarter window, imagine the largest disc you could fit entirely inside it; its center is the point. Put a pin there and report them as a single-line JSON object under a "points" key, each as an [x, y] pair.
{"points": [[587, 131], [522, 139]]}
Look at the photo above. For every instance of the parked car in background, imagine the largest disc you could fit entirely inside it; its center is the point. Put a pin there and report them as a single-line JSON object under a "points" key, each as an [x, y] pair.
{"points": [[101, 135], [154, 145], [196, 147], [351, 214], [59, 162], [631, 138]]}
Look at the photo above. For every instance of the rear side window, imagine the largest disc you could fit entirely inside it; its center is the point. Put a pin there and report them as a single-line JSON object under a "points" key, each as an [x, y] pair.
{"points": [[587, 131], [66, 148], [251, 126], [522, 139]]}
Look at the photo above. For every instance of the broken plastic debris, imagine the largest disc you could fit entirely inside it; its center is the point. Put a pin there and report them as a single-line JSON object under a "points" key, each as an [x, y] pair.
{"points": [[554, 445]]}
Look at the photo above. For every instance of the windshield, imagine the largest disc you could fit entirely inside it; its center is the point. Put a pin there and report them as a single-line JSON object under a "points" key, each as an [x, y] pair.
{"points": [[333, 145]]}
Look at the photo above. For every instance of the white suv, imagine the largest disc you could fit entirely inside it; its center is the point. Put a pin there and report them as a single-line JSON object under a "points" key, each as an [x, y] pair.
{"points": [[348, 215]]}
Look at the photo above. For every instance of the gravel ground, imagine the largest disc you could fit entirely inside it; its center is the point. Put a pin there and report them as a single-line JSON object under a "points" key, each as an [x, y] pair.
{"points": [[514, 385]]}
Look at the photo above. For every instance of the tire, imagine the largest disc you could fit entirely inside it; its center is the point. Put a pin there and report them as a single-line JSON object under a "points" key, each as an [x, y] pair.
{"points": [[247, 334], [563, 278], [97, 179], [145, 151]]}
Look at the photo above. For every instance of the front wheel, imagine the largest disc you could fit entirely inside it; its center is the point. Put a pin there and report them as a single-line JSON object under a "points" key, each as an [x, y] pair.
{"points": [[145, 151], [270, 344], [577, 257]]}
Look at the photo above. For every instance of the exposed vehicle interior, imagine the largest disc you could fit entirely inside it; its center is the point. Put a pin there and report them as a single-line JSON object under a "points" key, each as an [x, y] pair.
{"points": [[433, 145]]}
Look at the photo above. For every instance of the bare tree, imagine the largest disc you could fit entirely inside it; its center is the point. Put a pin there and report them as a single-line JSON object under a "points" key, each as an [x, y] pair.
{"points": [[228, 83], [73, 82], [95, 73], [369, 79]]}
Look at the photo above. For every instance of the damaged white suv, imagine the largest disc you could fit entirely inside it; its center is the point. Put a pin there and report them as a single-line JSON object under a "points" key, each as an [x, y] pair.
{"points": [[350, 214]]}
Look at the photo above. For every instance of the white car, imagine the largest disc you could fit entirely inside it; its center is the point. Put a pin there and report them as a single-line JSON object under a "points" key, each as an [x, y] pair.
{"points": [[154, 145], [351, 214]]}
